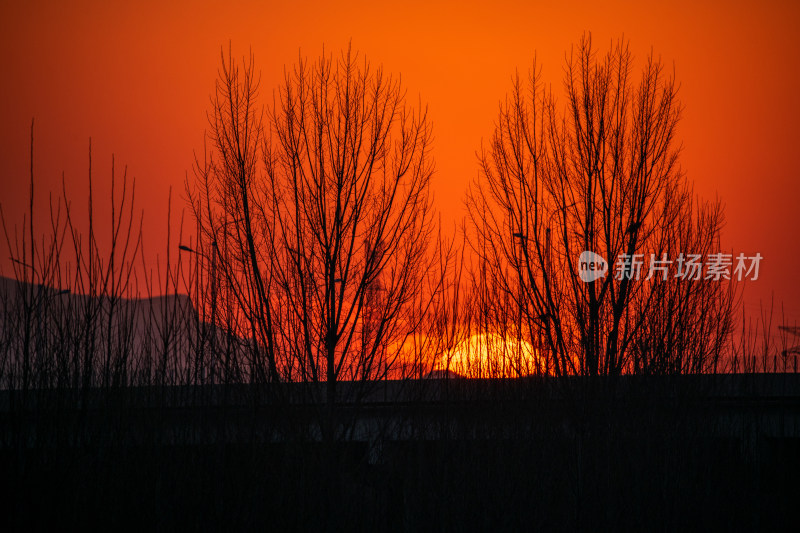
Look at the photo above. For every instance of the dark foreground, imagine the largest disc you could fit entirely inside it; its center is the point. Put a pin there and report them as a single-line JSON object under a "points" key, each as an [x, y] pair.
{"points": [[665, 454]]}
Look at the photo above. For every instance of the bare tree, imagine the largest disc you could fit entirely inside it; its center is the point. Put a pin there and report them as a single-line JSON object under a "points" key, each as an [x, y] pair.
{"points": [[324, 247], [349, 170], [599, 174]]}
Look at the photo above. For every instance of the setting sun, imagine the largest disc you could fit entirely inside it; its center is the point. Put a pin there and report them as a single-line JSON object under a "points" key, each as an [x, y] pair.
{"points": [[491, 355]]}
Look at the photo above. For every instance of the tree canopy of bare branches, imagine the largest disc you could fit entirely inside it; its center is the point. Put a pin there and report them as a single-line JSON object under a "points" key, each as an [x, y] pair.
{"points": [[315, 224], [598, 173]]}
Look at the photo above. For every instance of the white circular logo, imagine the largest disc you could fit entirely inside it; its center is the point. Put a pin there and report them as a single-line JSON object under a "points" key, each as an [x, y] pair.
{"points": [[591, 266]]}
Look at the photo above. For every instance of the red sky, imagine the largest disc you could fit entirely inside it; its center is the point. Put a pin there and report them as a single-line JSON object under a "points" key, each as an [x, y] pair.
{"points": [[137, 77]]}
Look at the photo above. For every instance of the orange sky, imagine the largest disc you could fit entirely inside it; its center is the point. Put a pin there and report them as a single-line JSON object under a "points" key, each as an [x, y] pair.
{"points": [[137, 79]]}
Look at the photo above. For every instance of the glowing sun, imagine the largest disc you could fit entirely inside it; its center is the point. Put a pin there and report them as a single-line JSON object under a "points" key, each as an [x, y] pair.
{"points": [[491, 355]]}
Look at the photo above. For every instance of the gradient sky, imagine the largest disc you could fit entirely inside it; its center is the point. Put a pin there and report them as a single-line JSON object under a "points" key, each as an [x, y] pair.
{"points": [[137, 77]]}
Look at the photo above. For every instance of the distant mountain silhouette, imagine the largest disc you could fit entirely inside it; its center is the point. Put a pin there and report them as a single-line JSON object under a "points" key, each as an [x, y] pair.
{"points": [[153, 338]]}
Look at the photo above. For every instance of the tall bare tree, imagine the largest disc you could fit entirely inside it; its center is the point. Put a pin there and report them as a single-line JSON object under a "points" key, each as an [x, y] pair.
{"points": [[600, 173], [349, 168], [323, 247]]}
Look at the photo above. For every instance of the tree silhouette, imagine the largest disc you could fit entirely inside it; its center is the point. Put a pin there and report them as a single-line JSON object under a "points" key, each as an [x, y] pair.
{"points": [[322, 247], [599, 174]]}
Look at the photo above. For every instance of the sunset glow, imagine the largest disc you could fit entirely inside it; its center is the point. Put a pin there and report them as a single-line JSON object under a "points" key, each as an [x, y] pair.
{"points": [[303, 265], [136, 78]]}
